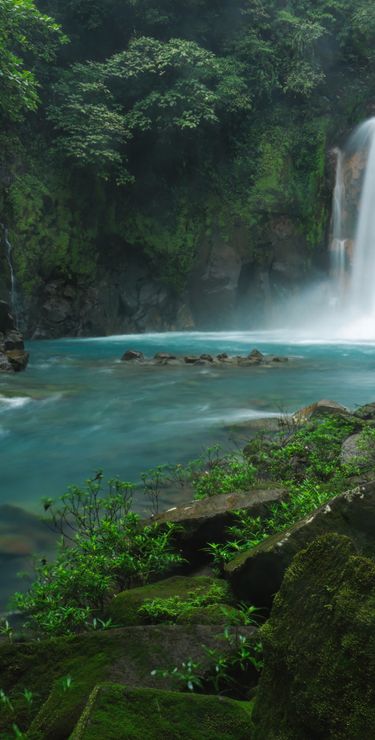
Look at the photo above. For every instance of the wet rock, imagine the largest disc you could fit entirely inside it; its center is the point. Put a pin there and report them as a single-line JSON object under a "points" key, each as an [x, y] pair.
{"points": [[131, 355], [5, 364], [255, 356], [279, 359], [18, 359], [320, 408], [164, 356], [256, 575], [222, 356], [319, 655], [13, 357], [13, 340], [207, 520], [191, 359], [208, 358]]}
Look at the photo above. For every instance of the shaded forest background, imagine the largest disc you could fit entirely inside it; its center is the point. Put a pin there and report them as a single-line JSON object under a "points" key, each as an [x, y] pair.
{"points": [[147, 143]]}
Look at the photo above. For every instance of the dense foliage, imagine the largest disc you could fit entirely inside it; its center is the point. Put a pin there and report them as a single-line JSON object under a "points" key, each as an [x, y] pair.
{"points": [[104, 548], [158, 123]]}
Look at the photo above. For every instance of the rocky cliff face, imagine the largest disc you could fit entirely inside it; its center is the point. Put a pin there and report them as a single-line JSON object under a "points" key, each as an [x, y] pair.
{"points": [[227, 288]]}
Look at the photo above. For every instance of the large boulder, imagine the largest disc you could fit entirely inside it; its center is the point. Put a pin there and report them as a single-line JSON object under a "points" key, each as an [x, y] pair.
{"points": [[127, 656], [256, 575], [118, 713], [207, 520], [319, 649]]}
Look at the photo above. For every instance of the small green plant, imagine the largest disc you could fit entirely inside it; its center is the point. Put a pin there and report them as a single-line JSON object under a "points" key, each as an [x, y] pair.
{"points": [[104, 548], [6, 629], [230, 672], [66, 683]]}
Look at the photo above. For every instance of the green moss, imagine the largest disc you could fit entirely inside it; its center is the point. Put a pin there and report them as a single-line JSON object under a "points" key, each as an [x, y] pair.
{"points": [[319, 648], [49, 233], [125, 607], [211, 614], [38, 666], [115, 712]]}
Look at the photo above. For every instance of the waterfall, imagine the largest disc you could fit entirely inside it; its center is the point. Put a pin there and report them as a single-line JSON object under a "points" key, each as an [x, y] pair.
{"points": [[362, 287], [339, 267], [13, 285]]}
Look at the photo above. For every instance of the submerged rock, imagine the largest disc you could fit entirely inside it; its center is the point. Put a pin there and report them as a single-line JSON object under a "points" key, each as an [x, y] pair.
{"points": [[118, 713], [207, 519], [131, 355], [318, 679], [256, 575]]}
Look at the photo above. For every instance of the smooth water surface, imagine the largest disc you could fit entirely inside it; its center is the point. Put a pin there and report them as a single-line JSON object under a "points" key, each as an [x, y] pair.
{"points": [[77, 408]]}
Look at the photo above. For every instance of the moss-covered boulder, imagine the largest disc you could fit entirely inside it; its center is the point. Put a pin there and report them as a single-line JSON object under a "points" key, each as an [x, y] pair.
{"points": [[62, 672], [256, 575], [125, 608], [319, 648], [118, 713]]}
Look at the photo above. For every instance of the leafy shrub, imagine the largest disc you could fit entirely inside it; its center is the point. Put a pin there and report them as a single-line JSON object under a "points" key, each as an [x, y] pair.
{"points": [[104, 548]]}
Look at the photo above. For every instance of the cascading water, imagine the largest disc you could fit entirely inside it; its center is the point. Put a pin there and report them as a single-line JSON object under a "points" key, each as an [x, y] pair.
{"points": [[362, 287], [13, 285], [353, 242], [338, 244]]}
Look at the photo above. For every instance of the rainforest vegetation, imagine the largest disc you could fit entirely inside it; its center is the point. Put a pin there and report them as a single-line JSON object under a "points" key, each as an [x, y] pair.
{"points": [[137, 125]]}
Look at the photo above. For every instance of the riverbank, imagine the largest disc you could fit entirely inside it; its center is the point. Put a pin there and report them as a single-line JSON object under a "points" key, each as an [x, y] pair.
{"points": [[310, 485]]}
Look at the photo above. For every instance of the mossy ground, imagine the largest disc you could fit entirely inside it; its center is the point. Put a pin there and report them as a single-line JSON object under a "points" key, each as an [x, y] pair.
{"points": [[115, 713]]}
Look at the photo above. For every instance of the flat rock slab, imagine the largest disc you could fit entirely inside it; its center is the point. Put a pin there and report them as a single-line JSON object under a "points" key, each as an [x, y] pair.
{"points": [[207, 520], [256, 575], [117, 713], [125, 656]]}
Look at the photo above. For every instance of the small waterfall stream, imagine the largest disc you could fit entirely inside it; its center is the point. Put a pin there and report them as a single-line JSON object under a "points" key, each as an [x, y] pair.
{"points": [[13, 283], [338, 244]]}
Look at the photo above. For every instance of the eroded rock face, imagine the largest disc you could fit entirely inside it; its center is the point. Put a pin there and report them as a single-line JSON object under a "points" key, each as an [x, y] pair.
{"points": [[13, 356], [256, 575], [319, 669]]}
